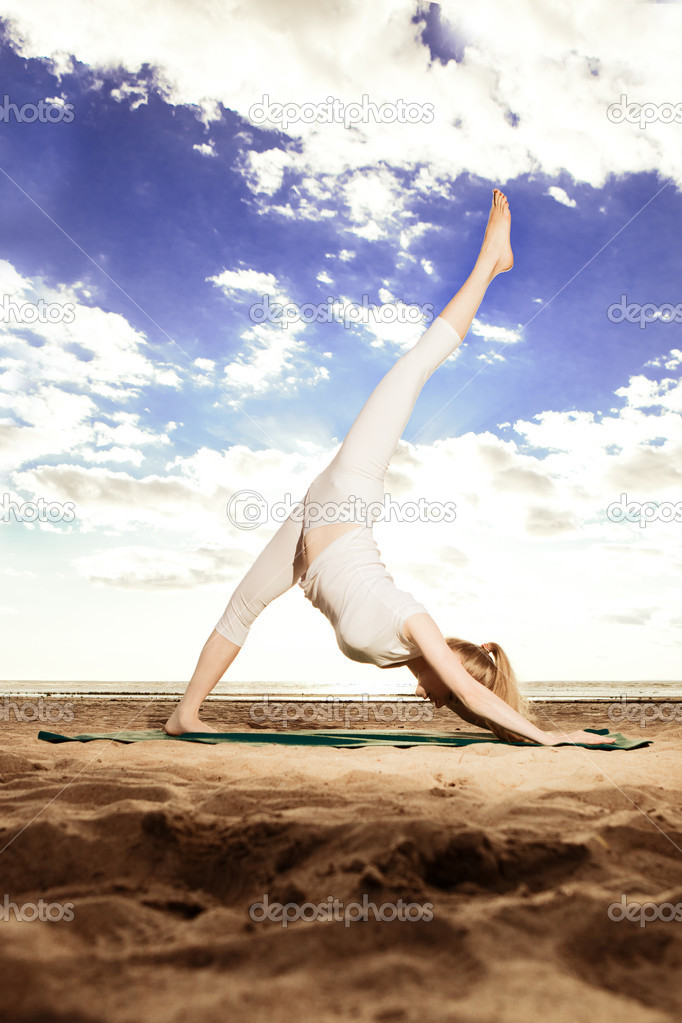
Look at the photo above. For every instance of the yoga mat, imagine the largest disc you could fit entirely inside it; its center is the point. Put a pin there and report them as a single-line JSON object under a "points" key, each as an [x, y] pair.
{"points": [[336, 737]]}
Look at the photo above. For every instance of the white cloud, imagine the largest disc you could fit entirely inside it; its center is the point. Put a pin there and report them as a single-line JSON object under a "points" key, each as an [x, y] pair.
{"points": [[206, 148], [233, 282], [641, 392], [87, 348], [494, 334], [48, 422], [271, 354], [387, 322], [370, 231], [268, 355], [264, 170], [490, 357], [205, 364], [375, 198], [560, 196], [53, 375], [144, 568], [136, 95], [670, 362], [188, 501], [556, 76]]}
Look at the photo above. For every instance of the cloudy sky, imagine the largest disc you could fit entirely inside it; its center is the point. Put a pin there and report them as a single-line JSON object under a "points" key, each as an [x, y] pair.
{"points": [[156, 202]]}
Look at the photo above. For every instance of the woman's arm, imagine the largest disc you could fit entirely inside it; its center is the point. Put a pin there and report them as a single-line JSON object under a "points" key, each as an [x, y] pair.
{"points": [[473, 696]]}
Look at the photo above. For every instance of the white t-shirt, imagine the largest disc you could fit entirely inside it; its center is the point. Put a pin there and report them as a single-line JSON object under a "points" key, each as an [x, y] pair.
{"points": [[350, 585]]}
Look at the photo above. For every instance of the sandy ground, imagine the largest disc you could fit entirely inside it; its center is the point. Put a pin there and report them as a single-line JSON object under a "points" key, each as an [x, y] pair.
{"points": [[154, 855]]}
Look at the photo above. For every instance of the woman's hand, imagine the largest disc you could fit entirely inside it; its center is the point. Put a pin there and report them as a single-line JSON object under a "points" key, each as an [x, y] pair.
{"points": [[589, 738], [448, 673]]}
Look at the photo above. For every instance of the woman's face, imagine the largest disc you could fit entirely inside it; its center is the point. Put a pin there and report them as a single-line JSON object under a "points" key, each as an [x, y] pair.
{"points": [[432, 687]]}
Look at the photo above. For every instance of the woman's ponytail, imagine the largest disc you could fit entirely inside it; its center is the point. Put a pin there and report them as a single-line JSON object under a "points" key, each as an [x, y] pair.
{"points": [[490, 666]]}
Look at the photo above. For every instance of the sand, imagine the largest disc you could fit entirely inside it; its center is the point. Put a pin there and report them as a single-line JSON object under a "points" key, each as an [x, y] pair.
{"points": [[153, 855]]}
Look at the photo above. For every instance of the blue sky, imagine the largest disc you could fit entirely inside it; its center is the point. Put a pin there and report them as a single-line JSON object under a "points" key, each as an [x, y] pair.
{"points": [[162, 211]]}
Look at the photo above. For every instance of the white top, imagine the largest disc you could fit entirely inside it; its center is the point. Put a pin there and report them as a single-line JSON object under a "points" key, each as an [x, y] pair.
{"points": [[348, 582]]}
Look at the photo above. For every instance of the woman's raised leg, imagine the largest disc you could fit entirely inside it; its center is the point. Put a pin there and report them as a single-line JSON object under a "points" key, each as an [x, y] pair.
{"points": [[360, 465], [494, 258], [373, 437]]}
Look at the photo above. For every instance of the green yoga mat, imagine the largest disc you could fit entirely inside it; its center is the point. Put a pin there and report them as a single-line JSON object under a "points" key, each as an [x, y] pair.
{"points": [[336, 737]]}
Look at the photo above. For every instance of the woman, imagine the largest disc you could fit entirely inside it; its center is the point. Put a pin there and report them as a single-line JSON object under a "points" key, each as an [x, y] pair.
{"points": [[338, 564]]}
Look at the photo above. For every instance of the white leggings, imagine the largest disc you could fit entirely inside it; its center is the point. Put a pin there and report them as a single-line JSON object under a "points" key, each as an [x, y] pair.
{"points": [[358, 469]]}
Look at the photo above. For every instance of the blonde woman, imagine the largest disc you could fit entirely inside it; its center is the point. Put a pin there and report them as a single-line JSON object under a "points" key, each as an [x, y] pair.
{"points": [[338, 564]]}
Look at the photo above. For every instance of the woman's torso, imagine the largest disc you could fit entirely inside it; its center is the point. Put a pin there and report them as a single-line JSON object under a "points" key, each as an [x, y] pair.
{"points": [[317, 539], [348, 582]]}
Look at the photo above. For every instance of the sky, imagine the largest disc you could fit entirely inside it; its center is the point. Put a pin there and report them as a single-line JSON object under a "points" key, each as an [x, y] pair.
{"points": [[156, 202]]}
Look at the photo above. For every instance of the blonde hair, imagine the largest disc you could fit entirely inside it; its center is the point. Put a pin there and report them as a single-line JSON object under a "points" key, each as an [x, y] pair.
{"points": [[496, 674]]}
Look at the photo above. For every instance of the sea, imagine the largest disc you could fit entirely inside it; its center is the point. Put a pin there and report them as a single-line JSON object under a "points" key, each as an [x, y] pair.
{"points": [[554, 691]]}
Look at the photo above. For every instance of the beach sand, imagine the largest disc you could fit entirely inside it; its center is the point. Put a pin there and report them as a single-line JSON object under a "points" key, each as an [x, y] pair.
{"points": [[161, 848]]}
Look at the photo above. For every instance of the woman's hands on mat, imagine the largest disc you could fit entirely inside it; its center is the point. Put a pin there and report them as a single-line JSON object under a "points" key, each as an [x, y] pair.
{"points": [[584, 738]]}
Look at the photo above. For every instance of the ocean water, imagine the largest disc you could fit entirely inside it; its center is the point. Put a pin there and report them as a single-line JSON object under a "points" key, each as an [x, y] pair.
{"points": [[556, 690]]}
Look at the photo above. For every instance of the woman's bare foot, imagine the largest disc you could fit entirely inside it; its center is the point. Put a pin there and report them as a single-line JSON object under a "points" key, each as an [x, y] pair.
{"points": [[496, 249], [179, 723]]}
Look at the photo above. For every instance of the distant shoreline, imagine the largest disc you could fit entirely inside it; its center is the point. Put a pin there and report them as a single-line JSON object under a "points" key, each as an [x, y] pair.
{"points": [[345, 698]]}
